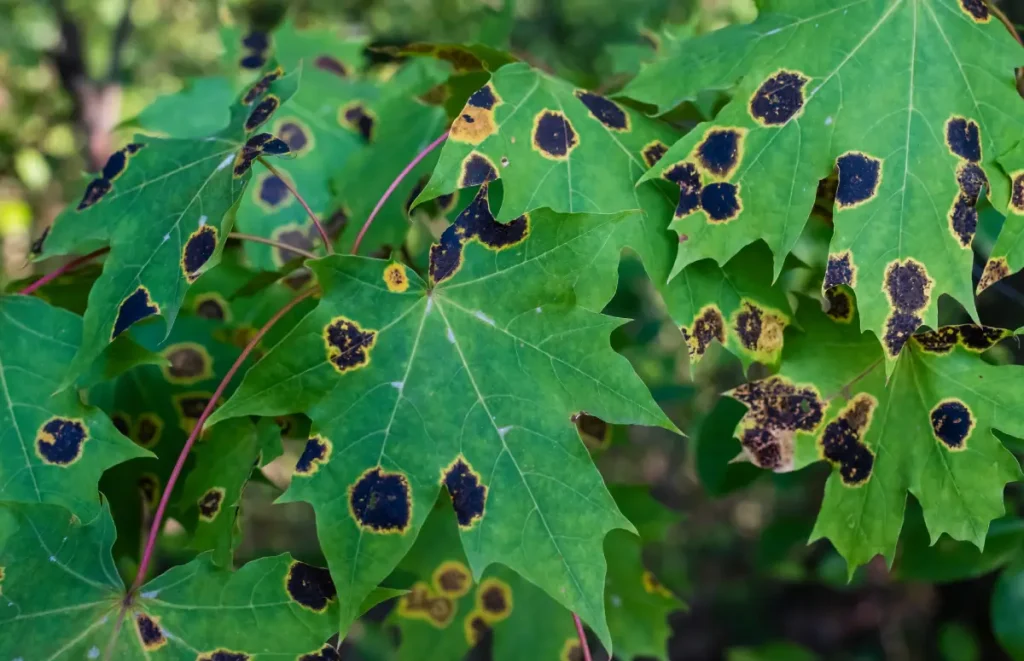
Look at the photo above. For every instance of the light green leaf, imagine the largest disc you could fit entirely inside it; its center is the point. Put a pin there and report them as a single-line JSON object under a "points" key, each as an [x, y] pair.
{"points": [[913, 148], [62, 599], [472, 383], [927, 431], [165, 208], [54, 447], [175, 114]]}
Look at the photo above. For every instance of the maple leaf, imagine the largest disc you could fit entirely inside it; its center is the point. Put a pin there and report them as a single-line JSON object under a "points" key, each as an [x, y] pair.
{"points": [[54, 447], [191, 612], [164, 207], [449, 613], [927, 431], [470, 382], [914, 149]]}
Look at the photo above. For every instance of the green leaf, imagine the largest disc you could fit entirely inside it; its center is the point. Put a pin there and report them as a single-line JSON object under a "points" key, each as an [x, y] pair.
{"points": [[54, 447], [175, 114], [212, 494], [165, 208], [470, 383], [913, 148], [188, 613], [927, 431], [1008, 611], [1008, 253]]}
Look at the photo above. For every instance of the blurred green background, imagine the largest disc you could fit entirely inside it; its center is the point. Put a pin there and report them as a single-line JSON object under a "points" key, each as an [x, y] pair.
{"points": [[72, 71]]}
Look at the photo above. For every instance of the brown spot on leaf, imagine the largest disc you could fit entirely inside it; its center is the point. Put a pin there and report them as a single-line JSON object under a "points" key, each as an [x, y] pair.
{"points": [[61, 441], [708, 325], [311, 587], [210, 503], [117, 163], [972, 180], [1017, 193], [316, 453], [395, 277], [760, 330], [494, 600], [842, 441], [331, 64], [476, 121], [553, 135], [604, 110], [779, 99], [187, 363], [325, 653], [212, 305], [653, 586], [452, 579], [952, 423], [721, 150], [348, 345], [148, 430], [475, 627], [571, 651], [150, 633], [777, 409], [122, 423], [356, 116], [381, 502], [292, 235], [190, 406], [198, 250], [595, 432]]}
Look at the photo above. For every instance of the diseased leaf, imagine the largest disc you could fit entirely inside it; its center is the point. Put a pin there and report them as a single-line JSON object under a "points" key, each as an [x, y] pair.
{"points": [[62, 599], [928, 431], [470, 383], [914, 148], [1008, 253], [165, 207], [54, 447], [175, 116]]}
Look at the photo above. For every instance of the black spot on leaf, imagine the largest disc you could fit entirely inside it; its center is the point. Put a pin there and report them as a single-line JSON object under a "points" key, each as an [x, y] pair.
{"points": [[952, 423], [779, 98], [483, 98], [446, 255], [594, 431], [469, 496], [94, 192], [721, 201], [115, 165], [972, 180], [60, 441], [190, 407], [198, 250], [940, 341], [150, 633], [759, 330], [475, 628], [996, 269], [720, 151], [553, 135], [963, 220], [336, 223], [605, 111], [452, 579], [223, 655], [859, 177], [707, 327], [963, 138], [122, 423], [37, 245], [135, 307], [348, 345], [980, 338], [187, 363], [840, 270], [976, 9], [840, 305], [842, 441], [211, 306], [294, 134], [148, 430], [777, 409], [908, 288], [261, 86], [325, 653], [262, 112], [357, 117], [476, 171], [494, 599], [291, 235], [272, 192], [316, 453], [210, 503], [331, 64], [381, 502], [256, 40], [653, 151], [310, 586], [687, 177], [252, 61], [1017, 193]]}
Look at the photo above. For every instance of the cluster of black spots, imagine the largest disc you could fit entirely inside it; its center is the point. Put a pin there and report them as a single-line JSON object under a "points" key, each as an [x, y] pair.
{"points": [[976, 9], [325, 653], [211, 306], [708, 326], [262, 112], [777, 409], [840, 305], [553, 135], [980, 338], [605, 111], [357, 117], [779, 98], [1017, 193], [149, 488], [187, 362], [474, 223], [842, 441], [137, 306], [859, 178], [60, 441], [720, 151], [653, 151], [272, 191], [996, 268], [381, 501], [223, 655], [37, 245], [255, 46], [310, 586], [121, 423], [100, 186], [952, 423], [148, 430], [261, 86], [294, 134], [256, 146], [331, 64], [422, 603], [198, 250], [721, 201], [477, 170], [348, 345], [687, 177], [908, 288], [150, 633], [963, 137], [210, 503], [840, 270], [469, 496], [315, 454], [592, 428], [940, 341]]}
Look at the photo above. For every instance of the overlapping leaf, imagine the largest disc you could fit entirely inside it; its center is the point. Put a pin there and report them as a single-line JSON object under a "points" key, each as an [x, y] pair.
{"points": [[468, 382], [54, 447], [914, 148], [928, 431], [165, 208], [63, 599], [1008, 253]]}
